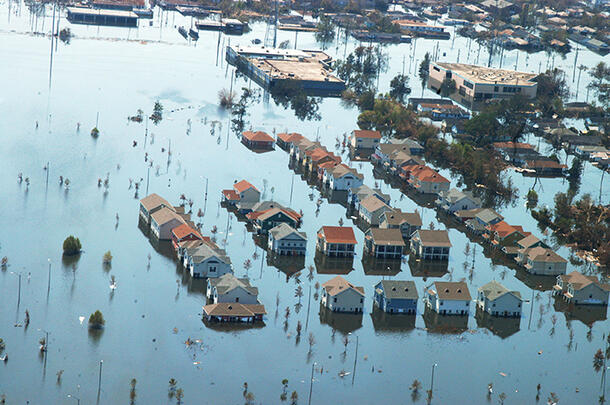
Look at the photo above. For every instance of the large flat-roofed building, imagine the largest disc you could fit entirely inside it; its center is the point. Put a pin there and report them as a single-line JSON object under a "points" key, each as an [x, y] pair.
{"points": [[270, 66], [120, 18], [476, 84]]}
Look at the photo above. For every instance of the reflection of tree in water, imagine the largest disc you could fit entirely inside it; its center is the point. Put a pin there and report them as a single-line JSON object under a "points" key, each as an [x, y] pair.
{"points": [[239, 112]]}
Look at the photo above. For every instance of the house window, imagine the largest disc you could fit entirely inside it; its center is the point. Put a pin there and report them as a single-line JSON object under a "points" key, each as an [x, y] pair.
{"points": [[212, 269], [334, 299], [236, 299], [496, 89], [590, 296], [362, 300]]}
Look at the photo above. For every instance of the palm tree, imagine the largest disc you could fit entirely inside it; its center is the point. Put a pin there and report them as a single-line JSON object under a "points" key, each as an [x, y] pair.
{"points": [[172, 387]]}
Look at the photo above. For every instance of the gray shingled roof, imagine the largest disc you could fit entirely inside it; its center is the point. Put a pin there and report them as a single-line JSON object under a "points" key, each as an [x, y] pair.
{"points": [[228, 282], [399, 289], [204, 252], [494, 290], [282, 230]]}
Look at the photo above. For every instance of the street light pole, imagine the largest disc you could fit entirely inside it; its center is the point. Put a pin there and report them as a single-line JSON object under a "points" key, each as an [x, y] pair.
{"points": [[355, 360], [19, 293], [49, 283], [99, 382], [311, 382], [432, 380]]}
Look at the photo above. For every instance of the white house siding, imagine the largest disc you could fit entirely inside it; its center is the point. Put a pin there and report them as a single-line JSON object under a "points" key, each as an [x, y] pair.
{"points": [[287, 245], [235, 295], [164, 232], [211, 267], [344, 182], [449, 307], [346, 301], [364, 143], [463, 204], [506, 305]]}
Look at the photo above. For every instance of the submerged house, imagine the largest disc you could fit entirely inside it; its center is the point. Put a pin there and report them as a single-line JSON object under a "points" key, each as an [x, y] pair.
{"points": [[406, 222], [448, 298], [151, 204], [229, 288], [183, 233], [285, 240], [242, 191], [264, 220], [431, 244], [384, 243], [233, 312], [455, 200], [339, 295], [258, 140], [498, 300], [371, 209], [581, 290], [338, 241], [396, 296], [163, 221], [542, 261], [364, 139], [207, 261], [342, 177], [357, 194]]}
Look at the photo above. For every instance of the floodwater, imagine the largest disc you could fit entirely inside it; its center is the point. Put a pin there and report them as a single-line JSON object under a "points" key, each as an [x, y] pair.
{"points": [[106, 74]]}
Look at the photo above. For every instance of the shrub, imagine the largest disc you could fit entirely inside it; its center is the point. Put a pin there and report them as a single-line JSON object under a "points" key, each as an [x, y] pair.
{"points": [[72, 246], [96, 320], [95, 132], [107, 259]]}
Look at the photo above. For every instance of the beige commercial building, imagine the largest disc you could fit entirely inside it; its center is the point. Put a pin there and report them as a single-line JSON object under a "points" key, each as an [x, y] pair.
{"points": [[476, 84]]}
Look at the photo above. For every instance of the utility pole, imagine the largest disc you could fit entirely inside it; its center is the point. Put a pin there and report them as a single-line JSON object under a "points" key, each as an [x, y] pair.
{"points": [[432, 380], [19, 293], [49, 283], [311, 382], [355, 360], [99, 381]]}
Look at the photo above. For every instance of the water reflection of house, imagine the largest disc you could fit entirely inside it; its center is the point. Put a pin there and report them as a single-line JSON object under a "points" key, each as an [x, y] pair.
{"points": [[288, 265], [388, 323], [333, 265], [444, 324], [381, 267], [587, 314], [499, 326], [428, 268], [340, 321]]}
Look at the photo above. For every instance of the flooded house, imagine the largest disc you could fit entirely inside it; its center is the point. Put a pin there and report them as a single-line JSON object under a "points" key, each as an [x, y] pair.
{"points": [[228, 288], [338, 295], [364, 139], [580, 289], [384, 243], [183, 233], [456, 200], [151, 204], [90, 16], [342, 177], [502, 234], [337, 241], [284, 140], [258, 140], [406, 222], [242, 196], [426, 180], [448, 298], [498, 300], [357, 194], [285, 240], [207, 261], [371, 209], [542, 261], [163, 221], [233, 312], [480, 220], [396, 296], [430, 244], [264, 220]]}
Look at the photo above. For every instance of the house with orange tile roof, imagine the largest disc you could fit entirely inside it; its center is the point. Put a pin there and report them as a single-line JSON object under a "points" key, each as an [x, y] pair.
{"points": [[242, 191], [364, 139], [284, 140], [184, 233], [258, 140], [503, 234], [581, 290], [339, 295], [426, 180], [338, 241]]}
